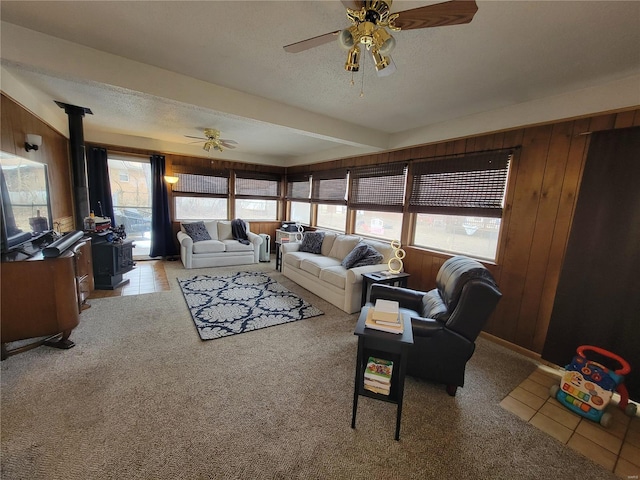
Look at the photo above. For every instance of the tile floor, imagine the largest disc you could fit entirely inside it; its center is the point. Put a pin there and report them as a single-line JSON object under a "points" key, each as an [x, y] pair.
{"points": [[147, 277], [616, 448]]}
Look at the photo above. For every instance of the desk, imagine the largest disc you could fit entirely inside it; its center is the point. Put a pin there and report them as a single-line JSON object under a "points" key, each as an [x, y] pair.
{"points": [[388, 278], [390, 346]]}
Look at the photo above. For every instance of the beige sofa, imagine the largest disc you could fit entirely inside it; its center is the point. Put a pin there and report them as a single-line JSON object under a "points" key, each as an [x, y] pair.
{"points": [[323, 274], [222, 250]]}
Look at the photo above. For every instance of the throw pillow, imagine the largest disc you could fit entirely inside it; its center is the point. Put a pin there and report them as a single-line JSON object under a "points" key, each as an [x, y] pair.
{"points": [[354, 255], [312, 242], [197, 231], [370, 257]]}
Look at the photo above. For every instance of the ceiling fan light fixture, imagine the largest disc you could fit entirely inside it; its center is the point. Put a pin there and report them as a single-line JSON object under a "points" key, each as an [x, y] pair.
{"points": [[353, 59], [345, 39], [384, 41], [381, 62]]}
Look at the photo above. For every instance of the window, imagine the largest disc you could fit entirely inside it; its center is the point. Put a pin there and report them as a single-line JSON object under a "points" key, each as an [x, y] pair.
{"points": [[377, 194], [332, 217], [473, 236], [298, 198], [385, 225], [329, 192], [130, 181], [201, 197], [300, 212], [257, 196], [200, 208], [248, 209], [458, 202]]}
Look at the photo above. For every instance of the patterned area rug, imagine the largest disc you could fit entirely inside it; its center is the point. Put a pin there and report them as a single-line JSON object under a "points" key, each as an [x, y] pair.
{"points": [[229, 304]]}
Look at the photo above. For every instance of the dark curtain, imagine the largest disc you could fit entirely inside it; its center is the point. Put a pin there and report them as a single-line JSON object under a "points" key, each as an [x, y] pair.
{"points": [[100, 201], [162, 242]]}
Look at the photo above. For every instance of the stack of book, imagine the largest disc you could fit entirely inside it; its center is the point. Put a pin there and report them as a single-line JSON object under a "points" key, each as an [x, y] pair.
{"points": [[385, 316], [377, 375]]}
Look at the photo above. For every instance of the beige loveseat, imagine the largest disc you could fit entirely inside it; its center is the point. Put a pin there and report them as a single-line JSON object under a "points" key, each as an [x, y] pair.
{"points": [[221, 250], [323, 274]]}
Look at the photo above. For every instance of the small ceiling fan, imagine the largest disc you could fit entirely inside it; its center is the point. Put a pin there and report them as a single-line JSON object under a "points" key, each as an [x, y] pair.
{"points": [[369, 21], [212, 140]]}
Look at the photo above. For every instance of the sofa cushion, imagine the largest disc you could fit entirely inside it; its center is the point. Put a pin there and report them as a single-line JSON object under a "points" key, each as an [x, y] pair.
{"points": [[224, 230], [294, 258], [342, 245], [236, 246], [327, 243], [335, 276], [212, 228], [208, 246], [197, 231], [312, 242], [315, 264]]}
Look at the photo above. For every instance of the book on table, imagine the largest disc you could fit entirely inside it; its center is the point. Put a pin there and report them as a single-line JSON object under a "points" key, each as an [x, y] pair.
{"points": [[386, 311], [389, 327], [377, 375]]}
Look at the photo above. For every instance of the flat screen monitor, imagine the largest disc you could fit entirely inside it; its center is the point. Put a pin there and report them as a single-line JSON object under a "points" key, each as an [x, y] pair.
{"points": [[25, 201]]}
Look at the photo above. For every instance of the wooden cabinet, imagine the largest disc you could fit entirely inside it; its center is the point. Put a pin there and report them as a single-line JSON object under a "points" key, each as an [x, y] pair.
{"points": [[43, 297], [84, 272]]}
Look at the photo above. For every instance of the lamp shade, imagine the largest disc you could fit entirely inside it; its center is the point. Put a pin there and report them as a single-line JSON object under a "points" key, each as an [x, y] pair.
{"points": [[353, 60], [170, 179], [345, 39]]}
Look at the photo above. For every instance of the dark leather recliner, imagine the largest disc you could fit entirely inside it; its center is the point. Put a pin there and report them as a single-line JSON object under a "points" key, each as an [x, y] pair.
{"points": [[446, 320]]}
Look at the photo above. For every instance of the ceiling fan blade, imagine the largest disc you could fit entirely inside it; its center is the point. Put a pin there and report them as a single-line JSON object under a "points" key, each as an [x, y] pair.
{"points": [[227, 145], [199, 138], [353, 4], [225, 140], [311, 42], [454, 12]]}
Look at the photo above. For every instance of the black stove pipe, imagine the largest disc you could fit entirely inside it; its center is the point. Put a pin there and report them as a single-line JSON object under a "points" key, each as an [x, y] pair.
{"points": [[78, 161]]}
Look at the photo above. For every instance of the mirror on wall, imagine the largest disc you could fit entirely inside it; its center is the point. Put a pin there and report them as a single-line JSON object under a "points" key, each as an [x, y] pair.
{"points": [[25, 201]]}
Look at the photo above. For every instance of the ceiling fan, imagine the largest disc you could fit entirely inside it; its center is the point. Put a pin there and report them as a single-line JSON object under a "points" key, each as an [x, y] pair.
{"points": [[369, 21], [212, 140]]}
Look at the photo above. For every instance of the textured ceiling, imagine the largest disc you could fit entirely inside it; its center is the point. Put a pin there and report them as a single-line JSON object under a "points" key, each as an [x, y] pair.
{"points": [[156, 71]]}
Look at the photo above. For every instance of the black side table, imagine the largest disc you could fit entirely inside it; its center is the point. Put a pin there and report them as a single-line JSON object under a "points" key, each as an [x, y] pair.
{"points": [[390, 346], [388, 278], [278, 256]]}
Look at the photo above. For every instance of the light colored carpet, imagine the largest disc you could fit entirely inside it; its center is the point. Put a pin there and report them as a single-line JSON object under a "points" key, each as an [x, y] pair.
{"points": [[142, 397]]}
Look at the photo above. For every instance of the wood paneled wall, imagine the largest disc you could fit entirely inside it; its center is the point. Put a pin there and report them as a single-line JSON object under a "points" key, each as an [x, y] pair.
{"points": [[541, 198], [541, 195], [15, 124]]}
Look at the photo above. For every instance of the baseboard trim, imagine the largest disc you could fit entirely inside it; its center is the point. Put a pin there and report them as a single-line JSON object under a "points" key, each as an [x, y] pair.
{"points": [[517, 349]]}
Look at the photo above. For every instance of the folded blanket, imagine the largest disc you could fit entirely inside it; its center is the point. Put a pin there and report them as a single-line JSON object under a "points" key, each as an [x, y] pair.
{"points": [[239, 231]]}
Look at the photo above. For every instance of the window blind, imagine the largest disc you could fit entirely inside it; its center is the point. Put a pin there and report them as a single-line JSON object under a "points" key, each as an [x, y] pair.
{"points": [[329, 187], [378, 187], [299, 188], [255, 184], [472, 185], [217, 184]]}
